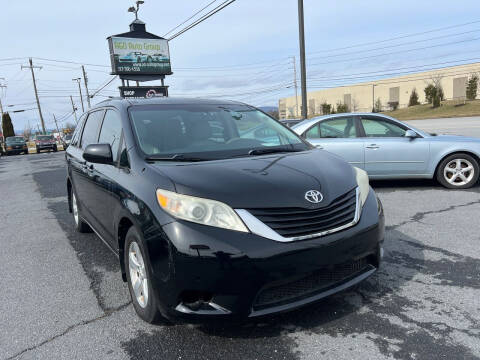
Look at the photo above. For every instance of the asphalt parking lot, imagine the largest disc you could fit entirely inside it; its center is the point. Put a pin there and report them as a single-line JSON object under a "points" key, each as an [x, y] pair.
{"points": [[62, 296]]}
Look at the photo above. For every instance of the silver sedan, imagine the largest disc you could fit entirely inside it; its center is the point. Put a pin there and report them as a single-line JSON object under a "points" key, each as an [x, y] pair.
{"points": [[390, 149]]}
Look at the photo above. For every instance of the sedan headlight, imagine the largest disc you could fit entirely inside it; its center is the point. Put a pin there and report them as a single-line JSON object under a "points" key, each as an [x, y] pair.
{"points": [[201, 211], [363, 184]]}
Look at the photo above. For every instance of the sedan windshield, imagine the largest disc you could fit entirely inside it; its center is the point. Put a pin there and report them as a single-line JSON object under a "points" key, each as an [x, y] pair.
{"points": [[206, 132], [15, 139]]}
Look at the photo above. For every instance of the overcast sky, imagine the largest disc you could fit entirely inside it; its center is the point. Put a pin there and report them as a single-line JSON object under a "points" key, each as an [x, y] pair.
{"points": [[243, 52]]}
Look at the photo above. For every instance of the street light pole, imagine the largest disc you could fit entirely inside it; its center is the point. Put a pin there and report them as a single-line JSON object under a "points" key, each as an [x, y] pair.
{"points": [[303, 66]]}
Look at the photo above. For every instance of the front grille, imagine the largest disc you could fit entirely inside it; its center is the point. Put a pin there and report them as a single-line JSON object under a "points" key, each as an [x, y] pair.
{"points": [[294, 222], [300, 288]]}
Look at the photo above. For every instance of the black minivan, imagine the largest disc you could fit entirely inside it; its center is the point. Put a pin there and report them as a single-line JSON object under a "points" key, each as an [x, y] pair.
{"points": [[218, 211]]}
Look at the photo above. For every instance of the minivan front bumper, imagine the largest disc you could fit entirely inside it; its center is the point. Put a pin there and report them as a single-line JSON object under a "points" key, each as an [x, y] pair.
{"points": [[219, 274]]}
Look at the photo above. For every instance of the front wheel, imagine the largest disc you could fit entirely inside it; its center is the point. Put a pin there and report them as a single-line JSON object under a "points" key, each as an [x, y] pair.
{"points": [[458, 171], [139, 278], [55, 149]]}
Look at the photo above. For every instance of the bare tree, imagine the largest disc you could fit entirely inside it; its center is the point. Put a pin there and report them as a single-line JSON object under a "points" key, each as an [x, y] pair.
{"points": [[355, 105], [27, 132]]}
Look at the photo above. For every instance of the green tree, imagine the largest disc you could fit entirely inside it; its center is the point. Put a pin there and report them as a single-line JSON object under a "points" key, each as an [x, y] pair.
{"points": [[413, 98], [7, 126], [434, 94], [326, 108], [342, 108], [378, 106], [472, 87]]}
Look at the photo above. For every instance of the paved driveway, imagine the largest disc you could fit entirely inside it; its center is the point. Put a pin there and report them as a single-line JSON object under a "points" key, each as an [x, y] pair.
{"points": [[62, 296]]}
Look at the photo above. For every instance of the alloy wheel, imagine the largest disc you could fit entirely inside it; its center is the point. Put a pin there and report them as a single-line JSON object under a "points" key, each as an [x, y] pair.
{"points": [[75, 209], [138, 274], [459, 172]]}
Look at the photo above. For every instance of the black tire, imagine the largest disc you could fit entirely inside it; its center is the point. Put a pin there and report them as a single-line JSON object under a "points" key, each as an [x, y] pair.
{"points": [[79, 224], [150, 311], [450, 177], [38, 150], [55, 149]]}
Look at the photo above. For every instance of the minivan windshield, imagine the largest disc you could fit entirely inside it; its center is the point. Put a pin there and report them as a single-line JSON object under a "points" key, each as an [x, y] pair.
{"points": [[207, 132]]}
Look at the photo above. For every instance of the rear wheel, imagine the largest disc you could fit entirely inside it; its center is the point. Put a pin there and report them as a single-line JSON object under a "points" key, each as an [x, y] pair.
{"points": [[458, 171], [139, 278], [55, 148], [80, 225]]}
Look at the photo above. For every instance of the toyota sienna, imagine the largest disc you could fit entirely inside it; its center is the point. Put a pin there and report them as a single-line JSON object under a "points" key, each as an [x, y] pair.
{"points": [[218, 211]]}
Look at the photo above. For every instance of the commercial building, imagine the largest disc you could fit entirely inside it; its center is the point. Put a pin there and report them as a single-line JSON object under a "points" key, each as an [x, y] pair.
{"points": [[392, 92]]}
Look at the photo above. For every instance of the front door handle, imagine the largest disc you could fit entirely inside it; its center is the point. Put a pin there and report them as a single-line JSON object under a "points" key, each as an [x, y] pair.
{"points": [[372, 146]]}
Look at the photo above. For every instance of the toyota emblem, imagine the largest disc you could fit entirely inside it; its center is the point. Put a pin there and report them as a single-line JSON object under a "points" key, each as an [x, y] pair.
{"points": [[314, 196]]}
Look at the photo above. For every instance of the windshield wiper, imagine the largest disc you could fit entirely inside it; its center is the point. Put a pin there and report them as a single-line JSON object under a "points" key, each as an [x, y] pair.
{"points": [[271, 151], [176, 157]]}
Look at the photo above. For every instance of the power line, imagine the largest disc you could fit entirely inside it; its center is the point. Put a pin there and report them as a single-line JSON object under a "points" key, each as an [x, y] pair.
{"points": [[191, 17], [396, 52], [400, 37], [396, 45], [203, 18]]}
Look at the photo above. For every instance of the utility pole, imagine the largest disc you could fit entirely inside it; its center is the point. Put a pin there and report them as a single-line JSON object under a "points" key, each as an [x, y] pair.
{"points": [[80, 91], [74, 110], [1, 106], [295, 82], [31, 67], [373, 97], [85, 80], [56, 124], [303, 66]]}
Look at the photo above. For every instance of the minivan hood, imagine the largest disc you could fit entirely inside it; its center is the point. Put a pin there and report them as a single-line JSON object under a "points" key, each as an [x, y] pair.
{"points": [[279, 180]]}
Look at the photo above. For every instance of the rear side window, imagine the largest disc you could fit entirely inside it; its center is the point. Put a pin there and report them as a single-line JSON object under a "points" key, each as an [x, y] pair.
{"points": [[90, 131], [111, 132], [333, 128]]}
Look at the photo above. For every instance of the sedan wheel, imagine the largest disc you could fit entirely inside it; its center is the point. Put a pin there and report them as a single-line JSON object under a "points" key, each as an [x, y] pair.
{"points": [[138, 276], [458, 171]]}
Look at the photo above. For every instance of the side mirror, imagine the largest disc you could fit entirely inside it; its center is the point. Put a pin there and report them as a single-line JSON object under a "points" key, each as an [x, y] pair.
{"points": [[98, 154], [411, 134]]}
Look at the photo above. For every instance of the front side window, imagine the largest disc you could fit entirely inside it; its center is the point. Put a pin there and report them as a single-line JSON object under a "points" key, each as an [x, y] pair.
{"points": [[90, 131], [375, 127], [111, 132], [208, 131]]}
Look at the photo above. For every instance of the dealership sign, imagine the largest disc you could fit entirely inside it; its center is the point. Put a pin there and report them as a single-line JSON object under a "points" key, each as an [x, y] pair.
{"points": [[137, 56], [142, 92]]}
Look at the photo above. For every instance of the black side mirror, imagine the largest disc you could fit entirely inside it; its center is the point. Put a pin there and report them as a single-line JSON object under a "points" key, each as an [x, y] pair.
{"points": [[98, 154]]}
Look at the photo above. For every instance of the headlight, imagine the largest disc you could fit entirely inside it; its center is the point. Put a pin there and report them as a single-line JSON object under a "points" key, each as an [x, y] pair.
{"points": [[201, 211], [363, 184]]}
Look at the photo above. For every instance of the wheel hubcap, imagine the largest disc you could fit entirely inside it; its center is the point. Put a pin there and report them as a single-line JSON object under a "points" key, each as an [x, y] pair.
{"points": [[138, 275], [75, 208], [459, 172]]}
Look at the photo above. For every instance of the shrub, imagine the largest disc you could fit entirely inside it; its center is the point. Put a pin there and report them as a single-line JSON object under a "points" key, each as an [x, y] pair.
{"points": [[326, 108], [342, 108], [378, 106], [434, 94], [472, 87], [413, 98]]}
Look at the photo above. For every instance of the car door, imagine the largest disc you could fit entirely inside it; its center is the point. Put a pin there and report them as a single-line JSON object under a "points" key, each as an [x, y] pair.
{"points": [[86, 179], [388, 153], [338, 135], [105, 175]]}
